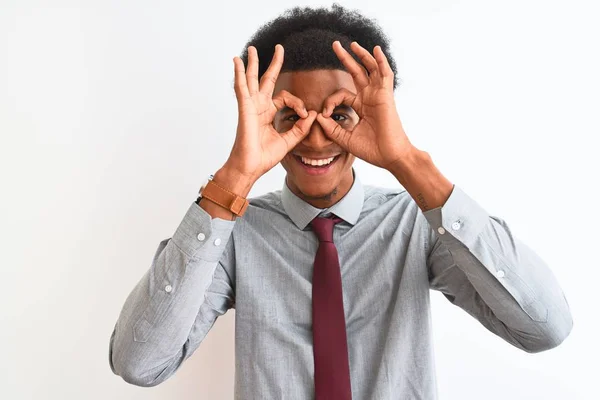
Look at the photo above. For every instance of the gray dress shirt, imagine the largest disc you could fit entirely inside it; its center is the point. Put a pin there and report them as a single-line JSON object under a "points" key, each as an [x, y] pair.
{"points": [[391, 253]]}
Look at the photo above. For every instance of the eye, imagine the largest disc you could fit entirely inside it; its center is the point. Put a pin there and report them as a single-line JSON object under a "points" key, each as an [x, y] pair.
{"points": [[339, 115], [335, 117], [292, 116]]}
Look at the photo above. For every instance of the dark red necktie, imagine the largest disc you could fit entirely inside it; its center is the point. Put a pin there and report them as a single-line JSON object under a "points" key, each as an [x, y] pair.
{"points": [[330, 348]]}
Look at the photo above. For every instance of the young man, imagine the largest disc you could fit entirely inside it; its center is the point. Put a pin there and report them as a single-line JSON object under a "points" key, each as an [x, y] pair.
{"points": [[329, 308]]}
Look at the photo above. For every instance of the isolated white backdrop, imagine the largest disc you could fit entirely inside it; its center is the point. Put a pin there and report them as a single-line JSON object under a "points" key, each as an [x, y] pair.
{"points": [[112, 113]]}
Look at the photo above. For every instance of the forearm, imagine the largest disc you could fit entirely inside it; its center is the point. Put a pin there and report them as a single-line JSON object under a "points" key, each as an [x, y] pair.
{"points": [[157, 317], [482, 267], [417, 173]]}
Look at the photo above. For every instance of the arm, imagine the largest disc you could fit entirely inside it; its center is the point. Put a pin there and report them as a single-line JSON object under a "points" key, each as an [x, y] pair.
{"points": [[524, 304], [480, 266], [174, 305], [190, 282]]}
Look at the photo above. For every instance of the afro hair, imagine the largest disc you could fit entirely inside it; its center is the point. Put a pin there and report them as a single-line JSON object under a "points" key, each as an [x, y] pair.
{"points": [[307, 35]]}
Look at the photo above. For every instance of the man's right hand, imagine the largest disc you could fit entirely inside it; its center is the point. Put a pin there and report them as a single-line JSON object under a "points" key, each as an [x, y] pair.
{"points": [[258, 146]]}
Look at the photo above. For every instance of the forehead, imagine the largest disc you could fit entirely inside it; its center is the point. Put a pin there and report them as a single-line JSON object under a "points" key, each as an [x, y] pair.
{"points": [[313, 87]]}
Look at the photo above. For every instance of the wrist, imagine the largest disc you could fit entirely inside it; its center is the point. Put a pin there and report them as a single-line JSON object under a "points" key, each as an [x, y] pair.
{"points": [[409, 163], [417, 173], [228, 178]]}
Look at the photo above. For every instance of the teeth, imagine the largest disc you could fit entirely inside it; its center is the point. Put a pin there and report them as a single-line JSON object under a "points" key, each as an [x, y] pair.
{"points": [[310, 161]]}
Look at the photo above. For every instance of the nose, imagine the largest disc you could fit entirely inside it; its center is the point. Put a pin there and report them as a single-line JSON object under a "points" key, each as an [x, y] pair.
{"points": [[316, 138]]}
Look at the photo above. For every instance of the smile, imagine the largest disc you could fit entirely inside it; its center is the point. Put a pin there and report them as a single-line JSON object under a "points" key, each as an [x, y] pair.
{"points": [[316, 166]]}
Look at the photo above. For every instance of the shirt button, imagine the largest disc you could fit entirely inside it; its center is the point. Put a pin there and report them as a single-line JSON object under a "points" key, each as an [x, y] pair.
{"points": [[441, 230], [217, 241], [500, 274], [201, 236], [456, 225], [168, 288]]}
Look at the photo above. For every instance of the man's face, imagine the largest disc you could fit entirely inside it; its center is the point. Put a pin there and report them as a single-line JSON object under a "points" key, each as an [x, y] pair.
{"points": [[320, 186]]}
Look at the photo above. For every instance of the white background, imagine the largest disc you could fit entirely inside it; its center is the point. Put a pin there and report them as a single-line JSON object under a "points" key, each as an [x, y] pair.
{"points": [[112, 114]]}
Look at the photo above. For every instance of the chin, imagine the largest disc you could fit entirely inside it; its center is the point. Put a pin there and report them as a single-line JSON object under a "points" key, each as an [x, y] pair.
{"points": [[319, 191]]}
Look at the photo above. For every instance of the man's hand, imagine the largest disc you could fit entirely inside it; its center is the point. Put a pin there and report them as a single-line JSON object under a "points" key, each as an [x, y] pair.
{"points": [[378, 138], [258, 147]]}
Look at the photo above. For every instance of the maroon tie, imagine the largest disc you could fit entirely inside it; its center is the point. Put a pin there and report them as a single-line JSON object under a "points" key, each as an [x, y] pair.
{"points": [[330, 348]]}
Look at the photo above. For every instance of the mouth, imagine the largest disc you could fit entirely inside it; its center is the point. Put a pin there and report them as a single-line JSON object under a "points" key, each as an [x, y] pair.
{"points": [[326, 164]]}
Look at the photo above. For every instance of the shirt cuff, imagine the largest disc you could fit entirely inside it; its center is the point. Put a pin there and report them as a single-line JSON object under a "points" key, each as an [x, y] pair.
{"points": [[201, 236], [460, 218]]}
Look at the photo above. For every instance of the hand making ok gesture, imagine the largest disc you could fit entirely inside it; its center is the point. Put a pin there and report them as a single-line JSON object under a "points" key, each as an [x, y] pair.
{"points": [[258, 147], [378, 138]]}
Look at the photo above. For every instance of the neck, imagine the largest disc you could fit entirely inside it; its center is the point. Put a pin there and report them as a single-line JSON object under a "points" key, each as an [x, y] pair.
{"points": [[329, 199]]}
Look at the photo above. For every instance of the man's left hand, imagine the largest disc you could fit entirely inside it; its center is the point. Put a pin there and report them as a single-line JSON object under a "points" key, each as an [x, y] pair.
{"points": [[379, 137]]}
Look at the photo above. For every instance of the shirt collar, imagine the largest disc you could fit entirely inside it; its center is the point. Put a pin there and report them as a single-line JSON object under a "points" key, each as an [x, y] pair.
{"points": [[348, 207]]}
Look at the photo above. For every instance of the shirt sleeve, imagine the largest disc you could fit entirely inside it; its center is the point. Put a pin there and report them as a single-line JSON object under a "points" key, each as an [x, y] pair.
{"points": [[480, 266], [171, 309]]}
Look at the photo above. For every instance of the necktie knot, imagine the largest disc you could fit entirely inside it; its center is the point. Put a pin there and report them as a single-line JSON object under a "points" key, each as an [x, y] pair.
{"points": [[323, 227]]}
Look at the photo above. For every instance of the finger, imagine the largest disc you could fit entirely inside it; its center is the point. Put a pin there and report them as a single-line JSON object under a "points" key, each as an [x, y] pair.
{"points": [[335, 132], [240, 86], [267, 82], [252, 72], [299, 131], [341, 96], [367, 58], [387, 74], [285, 98], [357, 71]]}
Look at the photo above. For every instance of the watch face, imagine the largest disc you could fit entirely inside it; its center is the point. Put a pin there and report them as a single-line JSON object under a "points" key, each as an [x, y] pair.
{"points": [[204, 184], [202, 187]]}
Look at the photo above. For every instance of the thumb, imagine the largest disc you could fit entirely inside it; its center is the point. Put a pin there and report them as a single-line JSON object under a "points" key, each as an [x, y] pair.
{"points": [[299, 131], [334, 131]]}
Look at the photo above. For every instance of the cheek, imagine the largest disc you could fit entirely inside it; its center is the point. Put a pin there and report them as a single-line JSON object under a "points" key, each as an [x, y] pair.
{"points": [[281, 125], [286, 161]]}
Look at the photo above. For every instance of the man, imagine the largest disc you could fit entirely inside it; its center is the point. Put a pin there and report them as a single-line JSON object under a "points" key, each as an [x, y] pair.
{"points": [[330, 278]]}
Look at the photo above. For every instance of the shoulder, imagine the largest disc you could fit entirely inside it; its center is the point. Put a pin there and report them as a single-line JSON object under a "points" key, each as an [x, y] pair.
{"points": [[264, 204], [378, 195], [395, 200], [269, 199], [397, 207]]}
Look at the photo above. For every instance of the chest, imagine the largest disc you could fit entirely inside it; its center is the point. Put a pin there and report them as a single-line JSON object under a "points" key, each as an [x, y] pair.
{"points": [[380, 265]]}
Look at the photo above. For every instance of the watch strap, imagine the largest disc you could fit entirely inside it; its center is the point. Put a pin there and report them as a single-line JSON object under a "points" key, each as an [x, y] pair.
{"points": [[225, 198]]}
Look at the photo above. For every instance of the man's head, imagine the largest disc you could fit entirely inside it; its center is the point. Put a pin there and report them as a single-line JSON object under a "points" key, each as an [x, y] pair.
{"points": [[311, 71]]}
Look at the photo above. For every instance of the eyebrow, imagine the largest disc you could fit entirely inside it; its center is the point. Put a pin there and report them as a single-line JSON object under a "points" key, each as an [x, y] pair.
{"points": [[341, 107]]}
